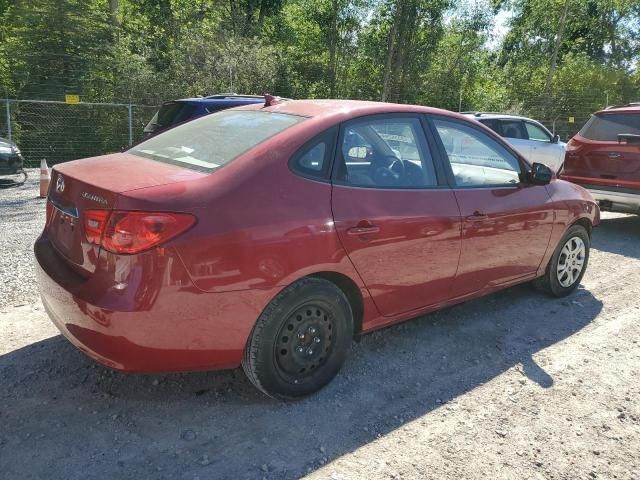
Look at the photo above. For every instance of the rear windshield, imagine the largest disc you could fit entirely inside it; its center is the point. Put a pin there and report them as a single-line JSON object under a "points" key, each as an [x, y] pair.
{"points": [[214, 140], [605, 127]]}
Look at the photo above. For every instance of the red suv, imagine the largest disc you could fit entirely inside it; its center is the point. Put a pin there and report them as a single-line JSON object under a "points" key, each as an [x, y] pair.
{"points": [[269, 236], [604, 157]]}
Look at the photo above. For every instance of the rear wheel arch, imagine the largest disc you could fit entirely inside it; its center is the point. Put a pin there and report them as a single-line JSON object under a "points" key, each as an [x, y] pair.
{"points": [[309, 324], [351, 291]]}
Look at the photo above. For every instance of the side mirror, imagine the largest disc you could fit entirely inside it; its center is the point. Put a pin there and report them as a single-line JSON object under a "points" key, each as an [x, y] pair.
{"points": [[555, 139], [540, 174]]}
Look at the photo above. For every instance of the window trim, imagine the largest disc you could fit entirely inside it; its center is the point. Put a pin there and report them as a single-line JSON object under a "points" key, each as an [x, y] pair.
{"points": [[427, 139], [324, 175], [524, 165]]}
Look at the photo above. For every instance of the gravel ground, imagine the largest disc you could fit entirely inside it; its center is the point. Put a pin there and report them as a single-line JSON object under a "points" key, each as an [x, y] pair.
{"points": [[22, 215], [514, 385]]}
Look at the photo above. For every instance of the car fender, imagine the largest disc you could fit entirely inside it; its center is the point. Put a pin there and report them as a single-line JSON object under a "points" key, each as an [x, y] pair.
{"points": [[572, 204]]}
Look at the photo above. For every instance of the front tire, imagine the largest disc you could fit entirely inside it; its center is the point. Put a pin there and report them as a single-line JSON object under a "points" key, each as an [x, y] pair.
{"points": [[568, 263], [300, 340]]}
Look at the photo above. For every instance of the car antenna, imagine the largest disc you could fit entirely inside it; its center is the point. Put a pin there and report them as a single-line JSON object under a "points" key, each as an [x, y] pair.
{"points": [[270, 100]]}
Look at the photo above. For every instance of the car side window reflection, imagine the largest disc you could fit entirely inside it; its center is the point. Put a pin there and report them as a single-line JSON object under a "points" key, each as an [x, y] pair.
{"points": [[385, 153], [476, 159]]}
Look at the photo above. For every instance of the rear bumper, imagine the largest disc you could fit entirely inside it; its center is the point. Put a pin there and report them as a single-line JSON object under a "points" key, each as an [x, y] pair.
{"points": [[615, 200], [155, 324]]}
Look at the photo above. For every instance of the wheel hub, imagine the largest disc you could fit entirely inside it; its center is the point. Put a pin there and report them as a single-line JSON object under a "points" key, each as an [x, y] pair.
{"points": [[305, 341], [571, 261]]}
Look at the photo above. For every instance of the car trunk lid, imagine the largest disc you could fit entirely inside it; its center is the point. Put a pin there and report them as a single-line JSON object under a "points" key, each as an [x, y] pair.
{"points": [[95, 184]]}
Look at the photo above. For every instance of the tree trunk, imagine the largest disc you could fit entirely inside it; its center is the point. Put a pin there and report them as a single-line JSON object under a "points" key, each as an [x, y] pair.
{"points": [[391, 53], [333, 48], [113, 11], [556, 47]]}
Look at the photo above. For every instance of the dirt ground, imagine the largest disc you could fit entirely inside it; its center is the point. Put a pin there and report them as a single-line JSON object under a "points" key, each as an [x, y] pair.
{"points": [[511, 386]]}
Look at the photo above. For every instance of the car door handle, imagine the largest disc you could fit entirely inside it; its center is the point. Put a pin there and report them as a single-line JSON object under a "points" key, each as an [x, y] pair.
{"points": [[477, 217], [368, 230], [614, 155]]}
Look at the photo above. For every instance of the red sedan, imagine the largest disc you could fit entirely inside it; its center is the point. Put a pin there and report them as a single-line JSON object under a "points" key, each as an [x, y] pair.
{"points": [[269, 236]]}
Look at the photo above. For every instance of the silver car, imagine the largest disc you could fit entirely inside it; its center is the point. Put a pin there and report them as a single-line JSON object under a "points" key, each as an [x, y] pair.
{"points": [[529, 137]]}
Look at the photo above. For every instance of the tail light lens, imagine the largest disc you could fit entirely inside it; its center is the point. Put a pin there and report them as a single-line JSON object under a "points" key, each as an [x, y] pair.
{"points": [[133, 232], [94, 223]]}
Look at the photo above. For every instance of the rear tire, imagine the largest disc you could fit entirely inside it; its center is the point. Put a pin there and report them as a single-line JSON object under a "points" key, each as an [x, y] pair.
{"points": [[300, 340], [568, 263]]}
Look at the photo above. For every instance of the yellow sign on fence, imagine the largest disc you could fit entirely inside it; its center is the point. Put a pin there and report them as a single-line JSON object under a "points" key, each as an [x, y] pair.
{"points": [[72, 99], [572, 119]]}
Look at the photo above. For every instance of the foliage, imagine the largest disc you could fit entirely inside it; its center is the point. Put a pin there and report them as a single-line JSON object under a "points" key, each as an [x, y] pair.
{"points": [[557, 58]]}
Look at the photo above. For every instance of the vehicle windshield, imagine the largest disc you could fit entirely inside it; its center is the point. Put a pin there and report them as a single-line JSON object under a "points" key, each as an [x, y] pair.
{"points": [[209, 142], [605, 127]]}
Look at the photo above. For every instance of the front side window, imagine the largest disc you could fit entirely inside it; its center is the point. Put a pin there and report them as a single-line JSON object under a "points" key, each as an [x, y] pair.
{"points": [[513, 129], [385, 153], [209, 142], [537, 133], [605, 127], [476, 159]]}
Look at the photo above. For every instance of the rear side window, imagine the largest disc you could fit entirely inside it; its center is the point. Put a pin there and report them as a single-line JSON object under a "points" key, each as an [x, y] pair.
{"points": [[513, 129], [209, 142], [605, 127], [314, 158], [385, 153], [493, 124]]}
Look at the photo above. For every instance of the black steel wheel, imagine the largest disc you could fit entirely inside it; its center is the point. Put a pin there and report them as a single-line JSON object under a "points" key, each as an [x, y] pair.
{"points": [[305, 341], [300, 341]]}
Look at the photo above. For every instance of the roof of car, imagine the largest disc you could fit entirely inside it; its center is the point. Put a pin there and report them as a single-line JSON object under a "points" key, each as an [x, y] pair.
{"points": [[343, 108], [223, 97], [633, 107], [494, 115]]}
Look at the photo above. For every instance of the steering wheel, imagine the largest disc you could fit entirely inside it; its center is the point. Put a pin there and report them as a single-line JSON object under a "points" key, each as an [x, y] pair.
{"points": [[392, 173]]}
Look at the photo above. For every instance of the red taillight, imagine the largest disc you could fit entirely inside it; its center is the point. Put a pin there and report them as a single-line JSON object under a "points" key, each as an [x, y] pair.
{"points": [[94, 223], [133, 232]]}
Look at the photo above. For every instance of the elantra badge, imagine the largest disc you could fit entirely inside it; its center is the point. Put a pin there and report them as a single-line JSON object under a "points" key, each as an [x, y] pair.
{"points": [[94, 197]]}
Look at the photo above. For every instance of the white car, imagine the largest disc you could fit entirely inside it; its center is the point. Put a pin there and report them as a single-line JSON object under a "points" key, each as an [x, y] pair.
{"points": [[528, 136]]}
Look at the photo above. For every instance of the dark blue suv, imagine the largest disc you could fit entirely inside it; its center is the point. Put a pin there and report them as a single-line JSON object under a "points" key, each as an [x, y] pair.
{"points": [[178, 111]]}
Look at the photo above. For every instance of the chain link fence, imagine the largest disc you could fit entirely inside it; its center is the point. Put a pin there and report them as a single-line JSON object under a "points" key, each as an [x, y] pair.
{"points": [[58, 131]]}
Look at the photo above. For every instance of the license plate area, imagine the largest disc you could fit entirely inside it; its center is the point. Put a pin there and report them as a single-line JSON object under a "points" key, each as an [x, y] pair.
{"points": [[65, 232]]}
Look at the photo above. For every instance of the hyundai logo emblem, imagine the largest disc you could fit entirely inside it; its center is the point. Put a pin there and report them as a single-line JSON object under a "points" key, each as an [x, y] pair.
{"points": [[60, 184]]}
